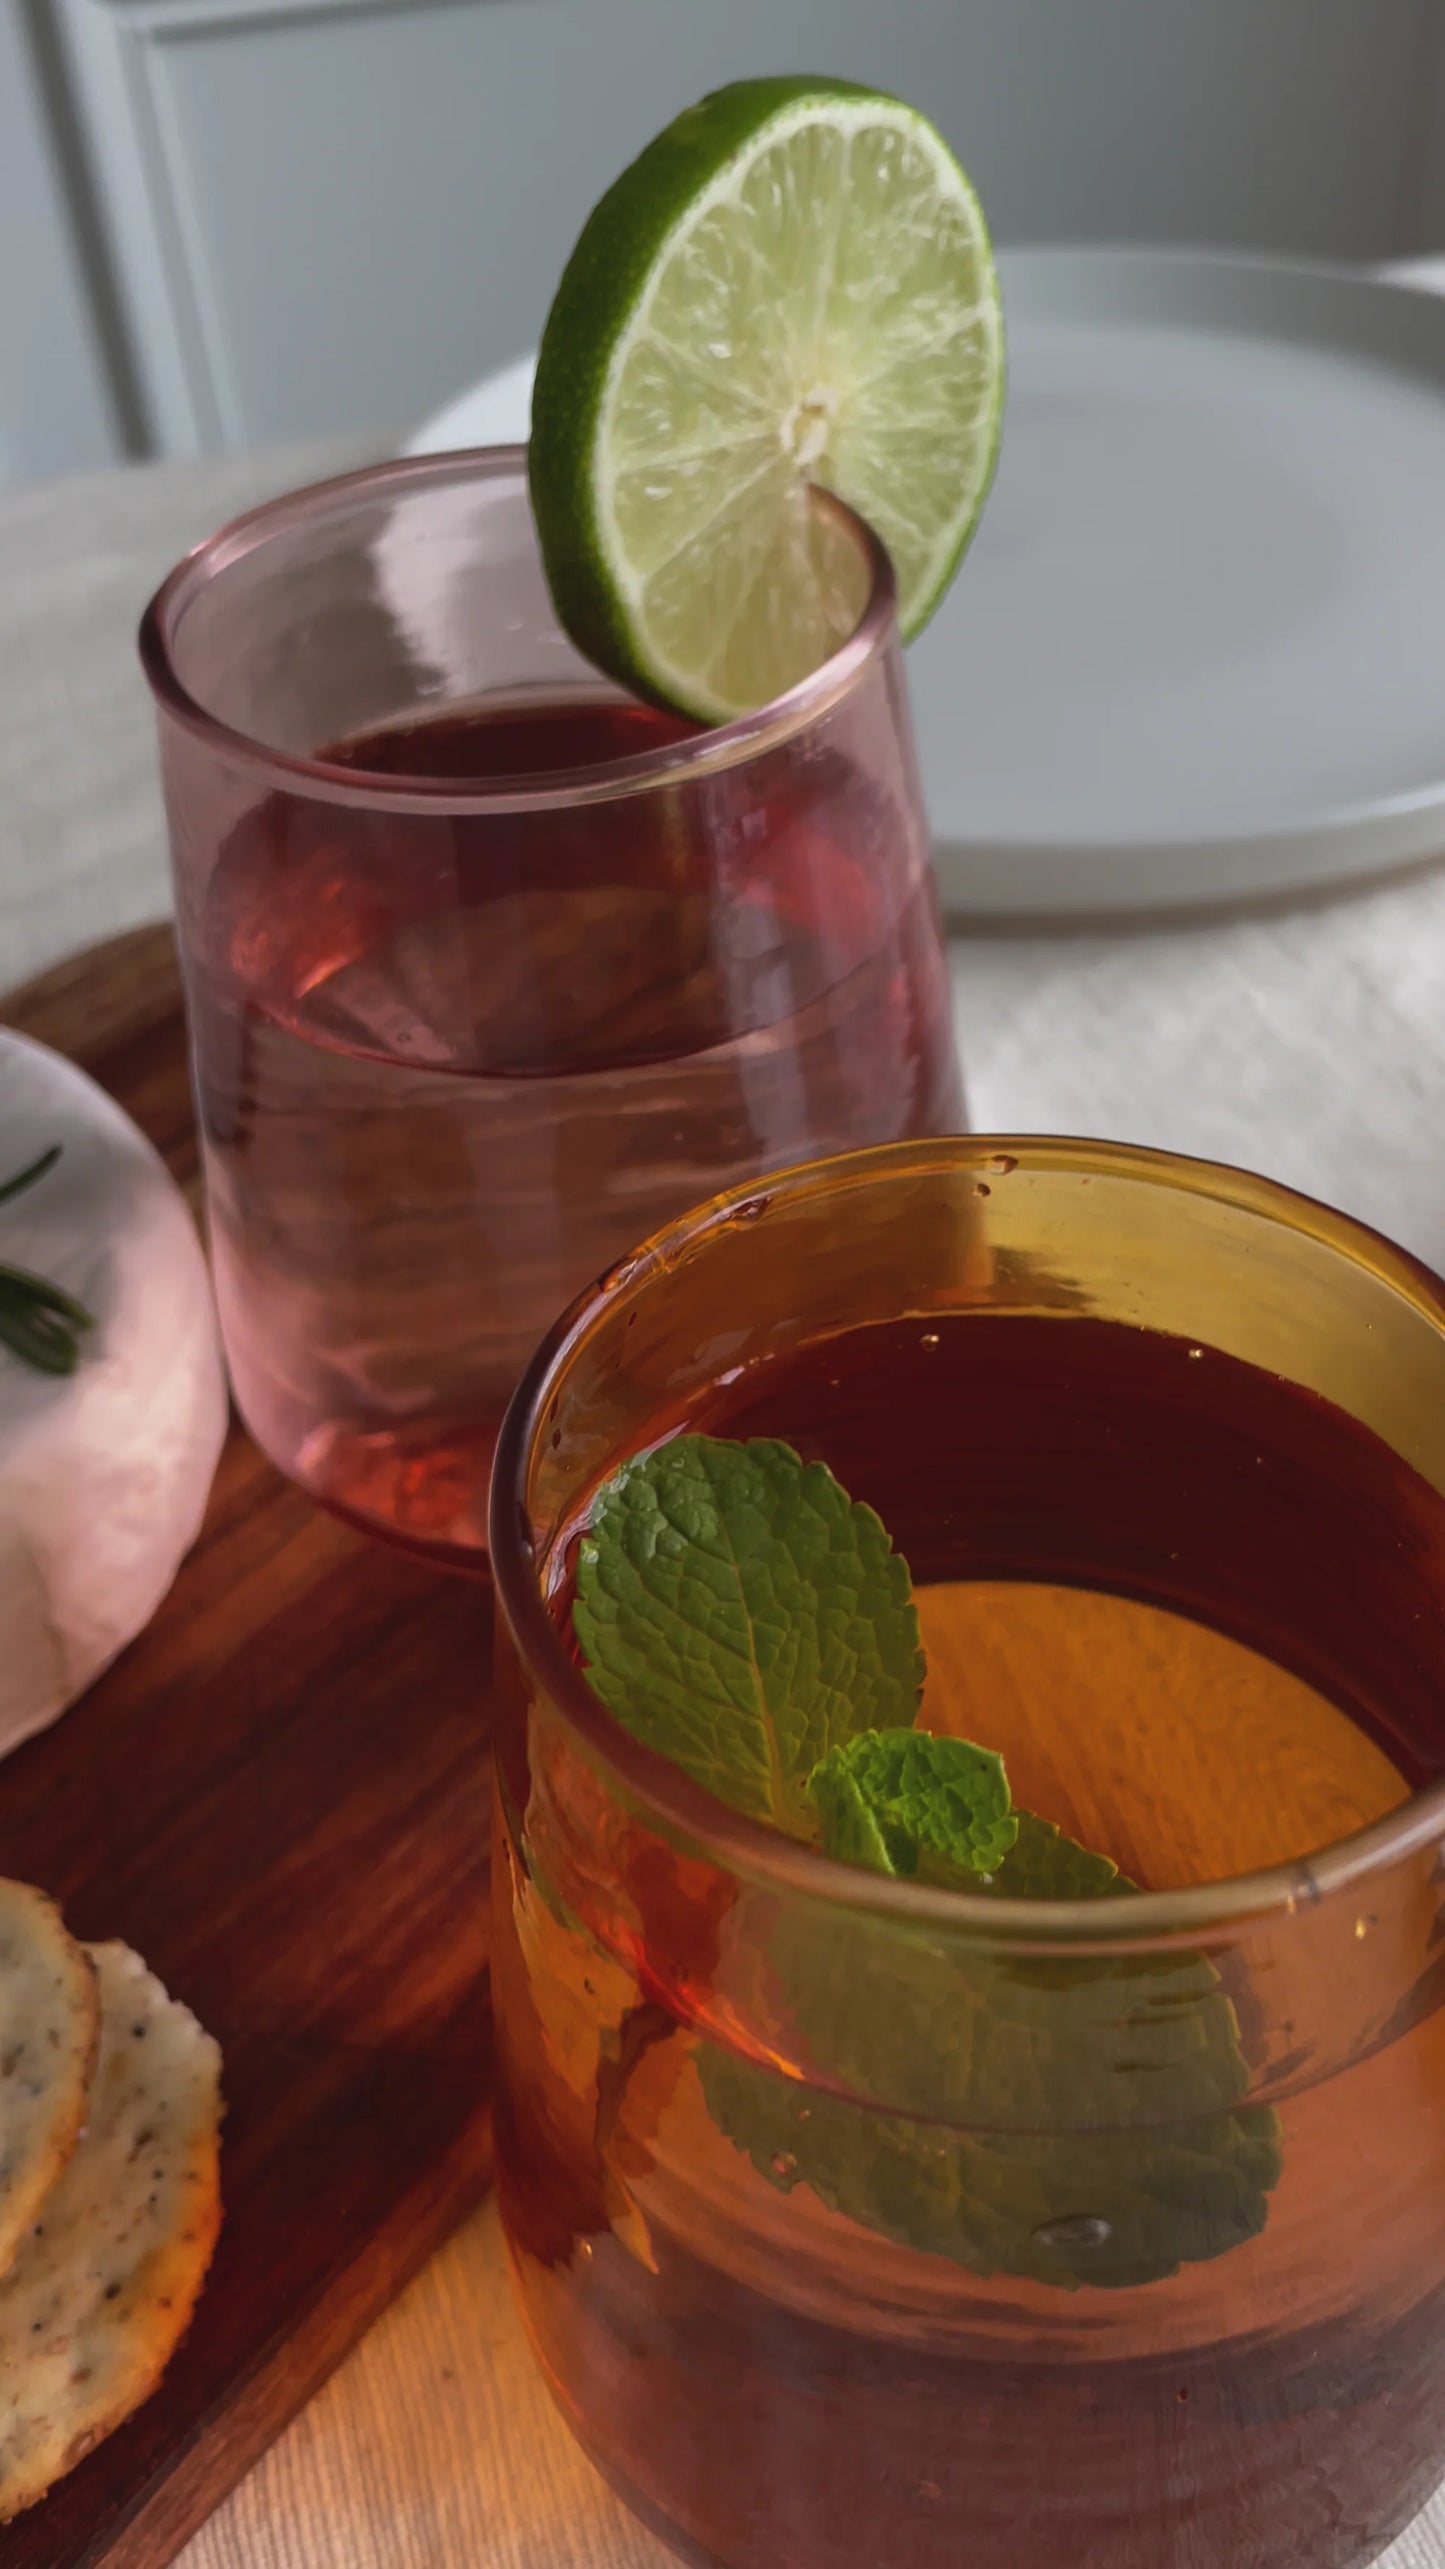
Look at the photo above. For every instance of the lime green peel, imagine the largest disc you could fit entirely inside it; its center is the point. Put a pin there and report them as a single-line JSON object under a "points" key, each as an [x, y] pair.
{"points": [[791, 287]]}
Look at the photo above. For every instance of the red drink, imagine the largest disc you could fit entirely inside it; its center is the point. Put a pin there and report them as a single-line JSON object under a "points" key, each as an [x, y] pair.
{"points": [[782, 2287], [429, 1121], [511, 972]]}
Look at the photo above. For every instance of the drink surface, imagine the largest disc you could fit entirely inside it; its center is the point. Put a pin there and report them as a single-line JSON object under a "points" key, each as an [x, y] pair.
{"points": [[1203, 1616], [1167, 1587], [527, 739], [451, 1066]]}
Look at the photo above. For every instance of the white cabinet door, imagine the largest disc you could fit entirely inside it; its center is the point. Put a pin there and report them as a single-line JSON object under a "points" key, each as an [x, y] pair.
{"points": [[59, 408], [333, 213]]}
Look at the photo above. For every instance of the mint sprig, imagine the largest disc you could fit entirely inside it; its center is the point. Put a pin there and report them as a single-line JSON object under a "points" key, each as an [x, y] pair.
{"points": [[740, 1613], [1076, 2120]]}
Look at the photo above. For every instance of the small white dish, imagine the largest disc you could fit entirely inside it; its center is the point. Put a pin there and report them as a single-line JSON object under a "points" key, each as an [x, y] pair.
{"points": [[1197, 649]]}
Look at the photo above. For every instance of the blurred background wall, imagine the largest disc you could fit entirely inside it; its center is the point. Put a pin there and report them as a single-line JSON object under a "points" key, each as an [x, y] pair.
{"points": [[223, 221]]}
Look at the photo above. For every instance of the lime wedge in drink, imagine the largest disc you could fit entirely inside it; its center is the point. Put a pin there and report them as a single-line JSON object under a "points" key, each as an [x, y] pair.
{"points": [[792, 286]]}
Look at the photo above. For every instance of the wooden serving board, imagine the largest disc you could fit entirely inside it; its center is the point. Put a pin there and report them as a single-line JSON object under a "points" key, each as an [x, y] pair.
{"points": [[278, 1795]]}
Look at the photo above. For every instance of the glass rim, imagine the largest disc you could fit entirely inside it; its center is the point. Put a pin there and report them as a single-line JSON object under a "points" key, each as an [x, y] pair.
{"points": [[664, 1793], [715, 746]]}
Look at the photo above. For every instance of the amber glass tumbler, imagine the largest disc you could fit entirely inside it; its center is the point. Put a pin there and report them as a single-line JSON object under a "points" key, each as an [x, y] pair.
{"points": [[1190, 2326]]}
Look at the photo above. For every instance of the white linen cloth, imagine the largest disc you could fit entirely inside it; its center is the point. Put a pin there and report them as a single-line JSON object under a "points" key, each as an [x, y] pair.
{"points": [[1308, 1042]]}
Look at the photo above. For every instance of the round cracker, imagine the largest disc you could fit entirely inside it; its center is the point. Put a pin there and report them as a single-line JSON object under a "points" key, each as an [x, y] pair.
{"points": [[49, 2019], [102, 2289]]}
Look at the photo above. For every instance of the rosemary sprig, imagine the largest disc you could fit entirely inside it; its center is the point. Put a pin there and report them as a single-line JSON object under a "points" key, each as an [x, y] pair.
{"points": [[37, 1169], [38, 1323]]}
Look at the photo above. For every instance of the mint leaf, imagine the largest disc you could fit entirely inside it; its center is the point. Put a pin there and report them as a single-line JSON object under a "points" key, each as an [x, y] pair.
{"points": [[848, 1828], [1107, 2209], [1043, 1864], [741, 1614], [915, 1791], [1074, 2119]]}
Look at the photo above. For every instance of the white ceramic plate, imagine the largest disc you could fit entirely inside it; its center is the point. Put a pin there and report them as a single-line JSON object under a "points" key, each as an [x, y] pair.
{"points": [[1197, 649]]}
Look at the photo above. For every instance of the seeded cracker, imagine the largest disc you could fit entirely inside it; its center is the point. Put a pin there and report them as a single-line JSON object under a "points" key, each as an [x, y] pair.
{"points": [[102, 2289], [49, 2020]]}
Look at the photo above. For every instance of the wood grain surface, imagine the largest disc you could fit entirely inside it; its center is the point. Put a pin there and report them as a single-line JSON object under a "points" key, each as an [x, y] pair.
{"points": [[435, 2446], [278, 1795]]}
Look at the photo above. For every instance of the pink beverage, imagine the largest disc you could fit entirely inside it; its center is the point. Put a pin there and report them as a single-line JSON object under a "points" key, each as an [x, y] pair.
{"points": [[485, 985]]}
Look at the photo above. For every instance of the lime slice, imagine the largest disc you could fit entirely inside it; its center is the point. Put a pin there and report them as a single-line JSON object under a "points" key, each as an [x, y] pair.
{"points": [[792, 286]]}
